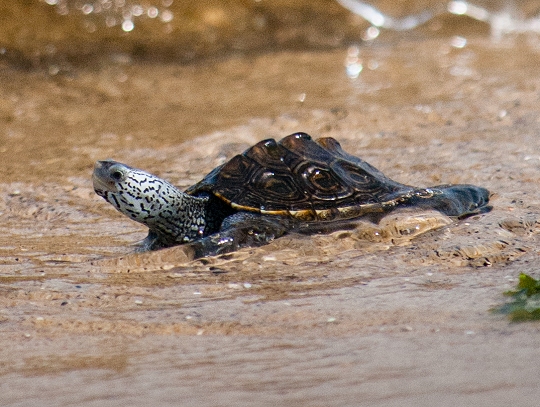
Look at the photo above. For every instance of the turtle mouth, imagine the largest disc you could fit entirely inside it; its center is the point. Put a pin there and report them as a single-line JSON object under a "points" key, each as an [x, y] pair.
{"points": [[101, 178]]}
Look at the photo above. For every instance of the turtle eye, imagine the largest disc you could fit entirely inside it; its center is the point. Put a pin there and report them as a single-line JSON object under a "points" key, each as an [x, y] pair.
{"points": [[116, 175]]}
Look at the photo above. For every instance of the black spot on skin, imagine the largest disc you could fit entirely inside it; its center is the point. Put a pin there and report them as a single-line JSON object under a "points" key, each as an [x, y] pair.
{"points": [[116, 203]]}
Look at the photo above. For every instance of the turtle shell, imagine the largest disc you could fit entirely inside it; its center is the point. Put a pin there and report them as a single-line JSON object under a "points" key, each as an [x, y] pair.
{"points": [[312, 180]]}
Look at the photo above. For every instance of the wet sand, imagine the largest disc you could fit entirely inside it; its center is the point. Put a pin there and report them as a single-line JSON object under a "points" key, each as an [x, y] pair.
{"points": [[395, 314]]}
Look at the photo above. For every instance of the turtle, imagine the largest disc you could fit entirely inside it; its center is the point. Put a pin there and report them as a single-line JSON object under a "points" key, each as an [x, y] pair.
{"points": [[274, 187]]}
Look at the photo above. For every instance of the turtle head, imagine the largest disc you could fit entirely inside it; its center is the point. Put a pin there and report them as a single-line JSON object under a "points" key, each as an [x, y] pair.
{"points": [[172, 216], [137, 194]]}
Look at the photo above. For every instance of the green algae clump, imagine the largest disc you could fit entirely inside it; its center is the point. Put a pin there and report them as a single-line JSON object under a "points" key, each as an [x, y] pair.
{"points": [[526, 300]]}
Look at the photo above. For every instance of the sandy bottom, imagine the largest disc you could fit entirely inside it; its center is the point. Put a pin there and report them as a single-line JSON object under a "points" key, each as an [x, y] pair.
{"points": [[396, 314]]}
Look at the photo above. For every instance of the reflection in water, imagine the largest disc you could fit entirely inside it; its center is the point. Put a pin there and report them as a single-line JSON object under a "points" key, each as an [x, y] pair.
{"points": [[115, 12], [124, 13], [500, 22], [378, 19], [353, 63]]}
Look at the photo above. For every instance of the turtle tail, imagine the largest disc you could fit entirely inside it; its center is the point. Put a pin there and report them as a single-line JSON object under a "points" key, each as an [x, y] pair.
{"points": [[460, 201]]}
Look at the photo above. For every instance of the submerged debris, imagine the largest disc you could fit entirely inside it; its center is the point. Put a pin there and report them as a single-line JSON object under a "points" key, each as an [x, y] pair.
{"points": [[526, 300]]}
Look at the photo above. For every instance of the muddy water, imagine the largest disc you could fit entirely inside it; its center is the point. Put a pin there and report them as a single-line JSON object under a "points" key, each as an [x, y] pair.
{"points": [[389, 314]]}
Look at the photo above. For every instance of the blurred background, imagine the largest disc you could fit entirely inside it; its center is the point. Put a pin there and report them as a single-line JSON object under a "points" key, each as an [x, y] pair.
{"points": [[60, 34]]}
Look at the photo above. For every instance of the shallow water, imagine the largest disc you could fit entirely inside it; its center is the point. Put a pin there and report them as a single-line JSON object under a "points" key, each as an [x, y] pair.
{"points": [[395, 314]]}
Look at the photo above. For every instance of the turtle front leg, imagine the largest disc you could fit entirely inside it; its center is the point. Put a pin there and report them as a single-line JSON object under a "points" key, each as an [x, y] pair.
{"points": [[150, 242], [240, 230]]}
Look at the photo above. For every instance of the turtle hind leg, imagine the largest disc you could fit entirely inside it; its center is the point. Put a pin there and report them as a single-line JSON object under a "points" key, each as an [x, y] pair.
{"points": [[460, 201], [240, 230]]}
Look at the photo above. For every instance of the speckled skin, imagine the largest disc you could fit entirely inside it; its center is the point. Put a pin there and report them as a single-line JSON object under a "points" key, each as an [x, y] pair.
{"points": [[271, 188], [172, 216]]}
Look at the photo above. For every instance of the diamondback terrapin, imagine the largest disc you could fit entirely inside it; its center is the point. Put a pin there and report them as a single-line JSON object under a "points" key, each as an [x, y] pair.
{"points": [[272, 188]]}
